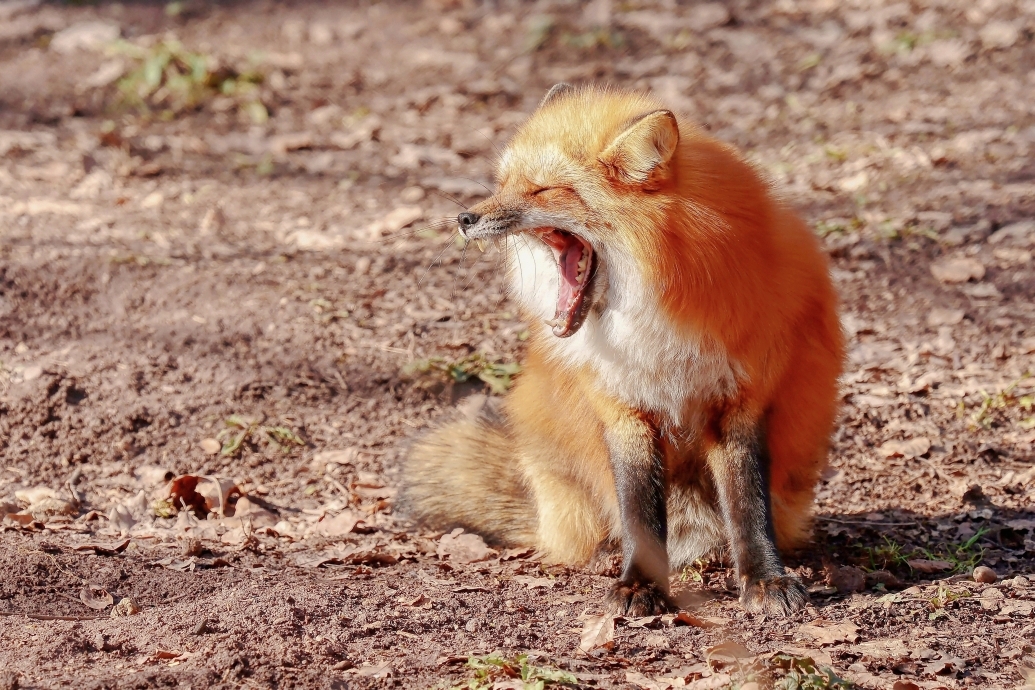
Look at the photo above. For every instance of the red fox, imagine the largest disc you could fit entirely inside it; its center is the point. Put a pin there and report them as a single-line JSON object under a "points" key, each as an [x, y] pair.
{"points": [[681, 384]]}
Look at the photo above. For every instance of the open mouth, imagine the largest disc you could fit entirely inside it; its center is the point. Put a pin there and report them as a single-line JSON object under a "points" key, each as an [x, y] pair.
{"points": [[575, 264]]}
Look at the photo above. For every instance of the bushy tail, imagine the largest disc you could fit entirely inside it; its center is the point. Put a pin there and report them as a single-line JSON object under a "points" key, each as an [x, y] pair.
{"points": [[466, 474]]}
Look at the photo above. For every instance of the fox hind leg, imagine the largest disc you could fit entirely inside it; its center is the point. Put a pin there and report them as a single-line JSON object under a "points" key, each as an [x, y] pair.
{"points": [[570, 527]]}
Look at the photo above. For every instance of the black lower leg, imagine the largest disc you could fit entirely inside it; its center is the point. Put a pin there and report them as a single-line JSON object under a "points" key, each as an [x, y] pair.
{"points": [[639, 473], [740, 468]]}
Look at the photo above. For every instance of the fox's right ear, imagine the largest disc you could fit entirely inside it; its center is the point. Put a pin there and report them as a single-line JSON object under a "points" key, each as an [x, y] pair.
{"points": [[642, 150], [556, 90]]}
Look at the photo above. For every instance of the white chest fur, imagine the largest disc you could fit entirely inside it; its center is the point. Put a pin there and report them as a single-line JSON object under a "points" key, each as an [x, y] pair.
{"points": [[632, 346]]}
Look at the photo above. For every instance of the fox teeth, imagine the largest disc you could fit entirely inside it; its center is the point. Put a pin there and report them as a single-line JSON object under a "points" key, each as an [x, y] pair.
{"points": [[553, 322], [582, 264], [481, 245]]}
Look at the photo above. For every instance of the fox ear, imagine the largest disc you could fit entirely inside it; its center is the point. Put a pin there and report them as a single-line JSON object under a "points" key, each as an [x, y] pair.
{"points": [[556, 90], [643, 149]]}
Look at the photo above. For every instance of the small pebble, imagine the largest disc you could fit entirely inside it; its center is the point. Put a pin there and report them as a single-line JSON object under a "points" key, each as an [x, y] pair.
{"points": [[984, 574]]}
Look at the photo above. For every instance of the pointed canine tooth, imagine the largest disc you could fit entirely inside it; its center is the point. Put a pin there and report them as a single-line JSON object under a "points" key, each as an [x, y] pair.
{"points": [[481, 245], [582, 264]]}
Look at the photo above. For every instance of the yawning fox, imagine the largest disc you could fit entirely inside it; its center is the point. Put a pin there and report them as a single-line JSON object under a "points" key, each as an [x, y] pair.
{"points": [[681, 380]]}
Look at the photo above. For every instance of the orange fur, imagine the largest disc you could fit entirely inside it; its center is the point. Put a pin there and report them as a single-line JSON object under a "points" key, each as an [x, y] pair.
{"points": [[721, 268]]}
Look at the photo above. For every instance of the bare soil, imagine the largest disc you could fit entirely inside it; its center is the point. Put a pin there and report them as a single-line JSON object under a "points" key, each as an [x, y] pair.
{"points": [[238, 282]]}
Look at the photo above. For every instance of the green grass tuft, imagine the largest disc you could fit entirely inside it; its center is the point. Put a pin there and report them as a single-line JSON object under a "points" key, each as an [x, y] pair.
{"points": [[498, 376]]}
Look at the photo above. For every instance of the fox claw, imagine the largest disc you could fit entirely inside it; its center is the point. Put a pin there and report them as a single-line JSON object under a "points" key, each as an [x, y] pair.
{"points": [[776, 596], [637, 599]]}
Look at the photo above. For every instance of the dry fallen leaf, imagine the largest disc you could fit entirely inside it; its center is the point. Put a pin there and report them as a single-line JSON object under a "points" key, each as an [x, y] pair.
{"points": [[247, 510], [712, 682], [913, 448], [163, 654], [687, 618], [217, 492], [34, 494], [202, 494], [183, 494], [905, 685], [640, 680], [846, 579], [643, 622], [597, 632], [374, 671], [347, 456], [96, 597], [832, 633], [463, 547], [727, 652], [520, 552], [820, 657], [104, 549], [52, 507], [535, 582], [924, 565], [944, 317], [957, 270], [337, 526]]}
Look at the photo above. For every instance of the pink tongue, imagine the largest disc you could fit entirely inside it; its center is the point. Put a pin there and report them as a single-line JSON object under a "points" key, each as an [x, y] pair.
{"points": [[569, 270]]}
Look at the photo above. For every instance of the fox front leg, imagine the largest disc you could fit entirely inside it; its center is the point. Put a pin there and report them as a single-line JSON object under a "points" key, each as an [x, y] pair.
{"points": [[639, 474], [739, 464]]}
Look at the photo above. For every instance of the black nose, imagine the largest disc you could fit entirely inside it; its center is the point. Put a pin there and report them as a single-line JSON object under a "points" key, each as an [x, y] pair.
{"points": [[466, 220]]}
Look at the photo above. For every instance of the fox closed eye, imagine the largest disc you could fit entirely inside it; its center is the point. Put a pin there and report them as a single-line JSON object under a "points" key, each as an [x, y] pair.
{"points": [[551, 191]]}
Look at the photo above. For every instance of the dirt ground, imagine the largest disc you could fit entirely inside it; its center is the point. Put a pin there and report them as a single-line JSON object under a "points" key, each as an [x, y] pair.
{"points": [[225, 252]]}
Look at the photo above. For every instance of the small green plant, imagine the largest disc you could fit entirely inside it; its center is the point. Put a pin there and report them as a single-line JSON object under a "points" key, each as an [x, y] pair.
{"points": [[945, 596], [786, 672], [887, 555], [825, 227], [964, 557], [170, 79], [892, 555], [990, 408], [498, 376], [488, 669], [802, 673], [240, 429]]}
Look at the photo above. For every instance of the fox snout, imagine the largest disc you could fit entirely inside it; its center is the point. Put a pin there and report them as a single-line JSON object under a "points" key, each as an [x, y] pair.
{"points": [[484, 225]]}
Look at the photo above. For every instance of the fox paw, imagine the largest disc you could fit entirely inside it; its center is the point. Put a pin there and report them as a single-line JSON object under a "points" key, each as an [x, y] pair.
{"points": [[637, 599], [781, 595]]}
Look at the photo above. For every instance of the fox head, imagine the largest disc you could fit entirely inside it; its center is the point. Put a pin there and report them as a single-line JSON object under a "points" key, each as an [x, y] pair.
{"points": [[588, 180]]}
